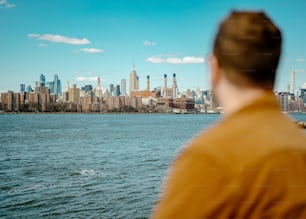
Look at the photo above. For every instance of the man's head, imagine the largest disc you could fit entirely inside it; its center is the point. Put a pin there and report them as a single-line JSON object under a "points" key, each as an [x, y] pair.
{"points": [[247, 48]]}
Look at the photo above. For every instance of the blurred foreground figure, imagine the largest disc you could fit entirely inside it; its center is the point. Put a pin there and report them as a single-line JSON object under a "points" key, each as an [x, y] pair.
{"points": [[252, 164]]}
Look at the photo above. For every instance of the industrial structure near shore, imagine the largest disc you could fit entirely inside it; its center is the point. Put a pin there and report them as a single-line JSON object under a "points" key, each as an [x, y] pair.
{"points": [[48, 97]]}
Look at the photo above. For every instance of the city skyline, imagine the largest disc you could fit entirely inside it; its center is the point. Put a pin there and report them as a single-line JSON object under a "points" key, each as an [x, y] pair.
{"points": [[82, 41]]}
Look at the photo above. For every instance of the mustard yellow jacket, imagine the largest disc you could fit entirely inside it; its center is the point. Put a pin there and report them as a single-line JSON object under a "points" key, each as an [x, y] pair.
{"points": [[252, 164]]}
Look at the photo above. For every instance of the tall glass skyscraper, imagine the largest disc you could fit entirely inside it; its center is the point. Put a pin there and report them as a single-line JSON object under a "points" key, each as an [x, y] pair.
{"points": [[57, 86], [42, 80], [22, 88], [111, 89], [117, 90], [50, 85], [29, 89]]}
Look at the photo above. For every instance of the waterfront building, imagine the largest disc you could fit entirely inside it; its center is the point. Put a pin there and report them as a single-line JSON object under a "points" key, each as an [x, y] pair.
{"points": [[136, 102], [145, 94], [123, 87], [106, 94], [86, 102], [282, 98], [74, 94], [303, 93], [134, 79], [86, 90]]}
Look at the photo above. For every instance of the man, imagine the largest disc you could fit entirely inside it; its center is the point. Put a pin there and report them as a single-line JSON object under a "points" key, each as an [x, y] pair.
{"points": [[252, 164]]}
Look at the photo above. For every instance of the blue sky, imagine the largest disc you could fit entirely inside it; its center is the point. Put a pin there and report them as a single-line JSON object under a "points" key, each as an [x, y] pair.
{"points": [[82, 39]]}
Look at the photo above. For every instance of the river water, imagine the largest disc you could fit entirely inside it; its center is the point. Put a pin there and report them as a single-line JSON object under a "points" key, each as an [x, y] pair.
{"points": [[89, 165]]}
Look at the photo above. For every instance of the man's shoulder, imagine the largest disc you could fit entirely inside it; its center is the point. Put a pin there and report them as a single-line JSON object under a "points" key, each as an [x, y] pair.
{"points": [[237, 142]]}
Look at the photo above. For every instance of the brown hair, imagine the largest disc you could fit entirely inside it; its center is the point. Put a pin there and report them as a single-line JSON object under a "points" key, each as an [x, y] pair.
{"points": [[248, 46]]}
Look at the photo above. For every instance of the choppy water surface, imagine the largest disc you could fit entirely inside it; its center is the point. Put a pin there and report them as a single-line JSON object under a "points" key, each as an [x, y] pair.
{"points": [[88, 166]]}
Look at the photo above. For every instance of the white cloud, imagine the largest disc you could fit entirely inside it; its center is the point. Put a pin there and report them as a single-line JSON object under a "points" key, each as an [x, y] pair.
{"points": [[42, 45], [91, 50], [155, 59], [148, 43], [84, 79], [300, 60], [174, 60], [59, 39], [6, 4]]}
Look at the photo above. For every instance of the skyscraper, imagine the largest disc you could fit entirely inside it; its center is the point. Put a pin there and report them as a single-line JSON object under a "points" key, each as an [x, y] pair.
{"points": [[117, 90], [67, 87], [292, 82], [99, 89], [29, 89], [57, 86], [111, 89], [50, 85], [74, 94], [123, 87], [22, 88], [133, 79], [42, 80]]}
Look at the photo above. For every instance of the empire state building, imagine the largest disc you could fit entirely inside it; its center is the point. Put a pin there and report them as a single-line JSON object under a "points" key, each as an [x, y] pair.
{"points": [[133, 80]]}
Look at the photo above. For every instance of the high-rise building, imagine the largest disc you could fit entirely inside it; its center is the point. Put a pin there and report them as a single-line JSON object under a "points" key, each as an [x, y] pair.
{"points": [[29, 89], [292, 82], [283, 101], [57, 86], [123, 87], [42, 80], [67, 87], [54, 86], [303, 93], [133, 79], [74, 94], [117, 90], [50, 85], [22, 88], [111, 89], [98, 89]]}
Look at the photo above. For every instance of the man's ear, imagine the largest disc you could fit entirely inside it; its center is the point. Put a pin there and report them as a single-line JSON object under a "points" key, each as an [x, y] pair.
{"points": [[215, 70]]}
